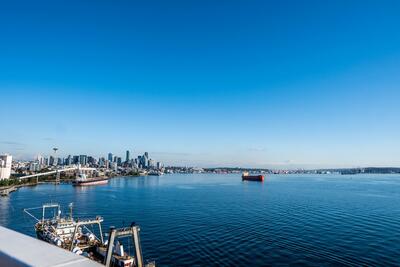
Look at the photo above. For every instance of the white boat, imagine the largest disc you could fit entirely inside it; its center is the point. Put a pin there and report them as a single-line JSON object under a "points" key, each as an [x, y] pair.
{"points": [[83, 180]]}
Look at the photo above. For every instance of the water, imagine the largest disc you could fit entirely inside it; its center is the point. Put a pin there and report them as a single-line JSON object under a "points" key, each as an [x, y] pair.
{"points": [[218, 220]]}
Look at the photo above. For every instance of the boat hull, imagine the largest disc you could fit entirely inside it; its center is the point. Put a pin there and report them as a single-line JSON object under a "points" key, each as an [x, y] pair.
{"points": [[254, 178], [91, 181]]}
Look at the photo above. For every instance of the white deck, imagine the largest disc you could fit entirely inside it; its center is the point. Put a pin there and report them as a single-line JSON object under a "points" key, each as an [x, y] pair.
{"points": [[17, 249]]}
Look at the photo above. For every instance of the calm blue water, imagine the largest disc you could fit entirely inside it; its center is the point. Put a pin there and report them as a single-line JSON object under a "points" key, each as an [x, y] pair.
{"points": [[218, 220]]}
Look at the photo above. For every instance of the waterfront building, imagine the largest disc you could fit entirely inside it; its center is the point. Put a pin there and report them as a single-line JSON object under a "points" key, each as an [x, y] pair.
{"points": [[5, 166], [159, 166]]}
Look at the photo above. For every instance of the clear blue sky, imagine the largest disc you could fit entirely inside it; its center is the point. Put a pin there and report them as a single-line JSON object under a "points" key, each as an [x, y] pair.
{"points": [[208, 83]]}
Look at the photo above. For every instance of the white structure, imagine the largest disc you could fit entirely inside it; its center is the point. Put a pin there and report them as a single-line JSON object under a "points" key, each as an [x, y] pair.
{"points": [[20, 250], [5, 166]]}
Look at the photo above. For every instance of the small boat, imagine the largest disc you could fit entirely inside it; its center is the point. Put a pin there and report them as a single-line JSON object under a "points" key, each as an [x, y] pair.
{"points": [[255, 178], [83, 180]]}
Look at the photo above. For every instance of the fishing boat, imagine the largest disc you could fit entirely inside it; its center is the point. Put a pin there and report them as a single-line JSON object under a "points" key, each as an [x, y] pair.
{"points": [[83, 180], [85, 237], [256, 178]]}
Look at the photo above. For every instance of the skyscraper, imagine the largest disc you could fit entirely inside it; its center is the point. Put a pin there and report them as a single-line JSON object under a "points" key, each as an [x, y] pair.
{"points": [[52, 161], [151, 163], [40, 159], [127, 156], [83, 160], [110, 157], [68, 160]]}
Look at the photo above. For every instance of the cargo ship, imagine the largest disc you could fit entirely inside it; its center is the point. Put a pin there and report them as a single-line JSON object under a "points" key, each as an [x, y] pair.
{"points": [[85, 237], [83, 180], [255, 178]]}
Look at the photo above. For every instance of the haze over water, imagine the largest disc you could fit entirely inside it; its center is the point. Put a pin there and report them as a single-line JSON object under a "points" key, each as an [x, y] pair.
{"points": [[218, 220]]}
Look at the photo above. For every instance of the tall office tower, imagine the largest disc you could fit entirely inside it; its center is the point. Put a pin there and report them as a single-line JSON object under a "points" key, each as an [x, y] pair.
{"points": [[51, 161], [102, 162], [151, 163], [146, 154], [107, 164], [145, 162], [110, 157], [83, 160], [159, 165], [119, 161], [5, 166], [68, 160], [40, 160], [127, 156], [91, 160], [75, 160], [135, 163]]}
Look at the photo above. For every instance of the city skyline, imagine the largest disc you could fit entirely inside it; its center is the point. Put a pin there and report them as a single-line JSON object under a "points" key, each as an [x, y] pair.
{"points": [[235, 84]]}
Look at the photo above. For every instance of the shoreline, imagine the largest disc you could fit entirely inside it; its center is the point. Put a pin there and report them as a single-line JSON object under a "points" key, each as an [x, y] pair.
{"points": [[7, 190]]}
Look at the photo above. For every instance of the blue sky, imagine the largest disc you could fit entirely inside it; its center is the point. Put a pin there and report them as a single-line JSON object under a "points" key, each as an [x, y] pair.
{"points": [[280, 84]]}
